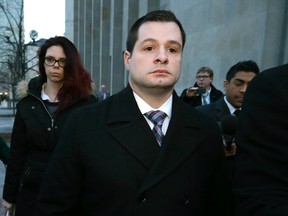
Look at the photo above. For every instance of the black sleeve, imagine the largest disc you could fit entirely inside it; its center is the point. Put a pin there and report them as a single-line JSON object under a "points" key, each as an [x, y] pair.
{"points": [[4, 151]]}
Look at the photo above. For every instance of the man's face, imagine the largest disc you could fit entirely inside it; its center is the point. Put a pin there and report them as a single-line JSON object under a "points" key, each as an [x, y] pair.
{"points": [[156, 60], [236, 88], [103, 88], [204, 80]]}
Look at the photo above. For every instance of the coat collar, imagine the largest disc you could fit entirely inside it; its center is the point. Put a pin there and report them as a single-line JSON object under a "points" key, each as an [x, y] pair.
{"points": [[221, 108]]}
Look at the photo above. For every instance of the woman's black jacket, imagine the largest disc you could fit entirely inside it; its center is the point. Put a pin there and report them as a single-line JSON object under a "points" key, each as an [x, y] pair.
{"points": [[34, 137]]}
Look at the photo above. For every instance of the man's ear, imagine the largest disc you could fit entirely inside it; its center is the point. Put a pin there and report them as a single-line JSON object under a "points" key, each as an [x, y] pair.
{"points": [[127, 57], [225, 84]]}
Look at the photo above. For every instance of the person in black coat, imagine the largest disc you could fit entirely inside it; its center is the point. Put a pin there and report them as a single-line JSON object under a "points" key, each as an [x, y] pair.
{"points": [[237, 80], [108, 161], [261, 177], [45, 104], [203, 92]]}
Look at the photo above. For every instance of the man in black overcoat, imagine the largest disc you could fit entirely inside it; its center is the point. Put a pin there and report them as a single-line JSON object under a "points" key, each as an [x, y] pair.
{"points": [[109, 162]]}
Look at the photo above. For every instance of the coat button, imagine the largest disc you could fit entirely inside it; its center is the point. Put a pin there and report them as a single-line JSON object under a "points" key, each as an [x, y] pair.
{"points": [[142, 198], [185, 199]]}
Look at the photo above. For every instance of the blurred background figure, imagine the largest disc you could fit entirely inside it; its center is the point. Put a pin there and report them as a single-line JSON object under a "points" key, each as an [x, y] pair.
{"points": [[203, 92], [103, 94]]}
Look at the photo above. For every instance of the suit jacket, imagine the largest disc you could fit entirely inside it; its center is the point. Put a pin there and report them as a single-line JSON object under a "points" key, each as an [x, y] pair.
{"points": [[215, 94], [108, 162], [218, 111], [100, 95], [261, 178]]}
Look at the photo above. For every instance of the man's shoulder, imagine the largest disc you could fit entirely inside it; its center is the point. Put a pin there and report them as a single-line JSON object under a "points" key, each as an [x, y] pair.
{"points": [[212, 106], [275, 75], [279, 68]]}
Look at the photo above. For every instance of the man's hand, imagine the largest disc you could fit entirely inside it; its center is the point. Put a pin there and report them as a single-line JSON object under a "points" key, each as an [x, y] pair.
{"points": [[191, 91]]}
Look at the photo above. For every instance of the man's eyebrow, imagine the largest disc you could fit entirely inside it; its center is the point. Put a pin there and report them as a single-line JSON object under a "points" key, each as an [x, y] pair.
{"points": [[239, 79], [175, 42], [170, 41]]}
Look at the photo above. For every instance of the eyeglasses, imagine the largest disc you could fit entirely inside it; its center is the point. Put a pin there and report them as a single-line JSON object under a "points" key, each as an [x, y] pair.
{"points": [[50, 61], [202, 77]]}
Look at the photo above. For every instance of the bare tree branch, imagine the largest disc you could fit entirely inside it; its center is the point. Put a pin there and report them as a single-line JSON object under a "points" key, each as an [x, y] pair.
{"points": [[13, 50]]}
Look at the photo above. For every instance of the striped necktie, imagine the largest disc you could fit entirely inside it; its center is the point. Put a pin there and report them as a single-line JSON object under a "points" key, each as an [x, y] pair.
{"points": [[157, 118]]}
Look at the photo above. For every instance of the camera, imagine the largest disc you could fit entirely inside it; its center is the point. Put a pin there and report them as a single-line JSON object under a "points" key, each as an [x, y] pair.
{"points": [[200, 91]]}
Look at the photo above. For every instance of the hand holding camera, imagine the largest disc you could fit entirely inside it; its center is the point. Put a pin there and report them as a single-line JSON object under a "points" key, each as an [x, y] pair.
{"points": [[195, 91]]}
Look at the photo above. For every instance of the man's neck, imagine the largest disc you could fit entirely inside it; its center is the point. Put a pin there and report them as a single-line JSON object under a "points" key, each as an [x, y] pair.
{"points": [[155, 100]]}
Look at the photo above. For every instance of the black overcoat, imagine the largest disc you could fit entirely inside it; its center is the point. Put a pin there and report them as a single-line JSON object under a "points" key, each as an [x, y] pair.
{"points": [[109, 163], [34, 136], [261, 180]]}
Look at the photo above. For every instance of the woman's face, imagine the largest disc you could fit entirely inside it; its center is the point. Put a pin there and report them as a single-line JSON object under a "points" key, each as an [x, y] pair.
{"points": [[54, 64]]}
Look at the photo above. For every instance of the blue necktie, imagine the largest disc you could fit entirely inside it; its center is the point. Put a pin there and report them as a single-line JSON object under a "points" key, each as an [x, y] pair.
{"points": [[157, 117], [205, 97]]}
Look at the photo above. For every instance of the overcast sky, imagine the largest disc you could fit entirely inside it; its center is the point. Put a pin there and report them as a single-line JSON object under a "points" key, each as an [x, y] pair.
{"points": [[47, 17]]}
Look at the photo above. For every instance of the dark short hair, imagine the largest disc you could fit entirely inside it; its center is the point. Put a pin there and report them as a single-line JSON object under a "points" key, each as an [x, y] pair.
{"points": [[154, 16], [246, 66]]}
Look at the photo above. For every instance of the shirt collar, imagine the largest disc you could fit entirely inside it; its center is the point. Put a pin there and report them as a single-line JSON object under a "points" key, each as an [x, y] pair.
{"points": [[209, 90], [44, 96], [230, 107], [145, 107]]}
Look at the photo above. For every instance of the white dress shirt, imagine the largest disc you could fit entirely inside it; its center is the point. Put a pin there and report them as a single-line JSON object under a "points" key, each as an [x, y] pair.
{"points": [[230, 107], [166, 107]]}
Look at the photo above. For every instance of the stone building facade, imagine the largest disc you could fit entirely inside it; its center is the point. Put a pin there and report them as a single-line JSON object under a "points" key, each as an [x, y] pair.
{"points": [[219, 34]]}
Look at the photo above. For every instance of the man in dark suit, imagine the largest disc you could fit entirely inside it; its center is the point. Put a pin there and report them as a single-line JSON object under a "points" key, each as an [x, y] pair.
{"points": [[113, 164], [203, 92], [237, 80], [261, 176]]}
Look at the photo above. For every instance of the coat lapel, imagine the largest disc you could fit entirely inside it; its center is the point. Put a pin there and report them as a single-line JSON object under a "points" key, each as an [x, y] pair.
{"points": [[221, 109], [180, 141], [129, 127]]}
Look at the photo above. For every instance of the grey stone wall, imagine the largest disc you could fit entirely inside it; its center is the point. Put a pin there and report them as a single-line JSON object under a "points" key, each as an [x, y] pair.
{"points": [[219, 34]]}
